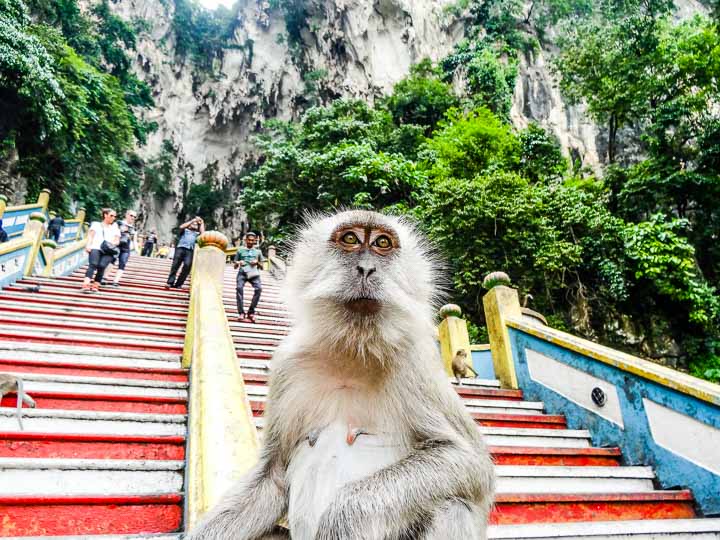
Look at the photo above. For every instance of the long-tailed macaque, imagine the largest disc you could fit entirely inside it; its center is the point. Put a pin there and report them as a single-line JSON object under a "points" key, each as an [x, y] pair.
{"points": [[460, 367], [364, 437], [11, 383]]}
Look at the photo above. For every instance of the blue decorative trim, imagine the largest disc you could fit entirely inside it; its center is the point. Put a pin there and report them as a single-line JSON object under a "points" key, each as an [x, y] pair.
{"points": [[12, 266], [483, 365], [635, 440], [14, 220]]}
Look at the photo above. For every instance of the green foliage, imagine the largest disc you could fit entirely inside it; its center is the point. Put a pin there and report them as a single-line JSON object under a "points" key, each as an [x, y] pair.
{"points": [[202, 200], [540, 154], [335, 156], [421, 98], [201, 34], [67, 94], [159, 172], [490, 79], [471, 143]]}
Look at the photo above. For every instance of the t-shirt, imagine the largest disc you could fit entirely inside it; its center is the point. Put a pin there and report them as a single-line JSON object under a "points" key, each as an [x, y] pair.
{"points": [[244, 255], [188, 238], [151, 240], [103, 232], [127, 233]]}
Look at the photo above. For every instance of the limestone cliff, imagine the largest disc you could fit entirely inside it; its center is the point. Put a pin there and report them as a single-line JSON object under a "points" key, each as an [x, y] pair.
{"points": [[360, 48]]}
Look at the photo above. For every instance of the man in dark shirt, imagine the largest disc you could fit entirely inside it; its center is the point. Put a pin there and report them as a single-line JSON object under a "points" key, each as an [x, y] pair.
{"points": [[55, 226], [184, 252], [149, 244]]}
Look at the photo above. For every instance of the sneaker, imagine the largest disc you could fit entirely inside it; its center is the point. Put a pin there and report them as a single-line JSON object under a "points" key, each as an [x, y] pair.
{"points": [[241, 317], [168, 286], [251, 317], [95, 286], [113, 284], [85, 289]]}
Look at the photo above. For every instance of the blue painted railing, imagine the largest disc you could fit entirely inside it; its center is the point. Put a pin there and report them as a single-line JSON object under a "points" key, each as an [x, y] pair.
{"points": [[70, 232], [16, 217], [13, 258], [482, 361], [657, 416]]}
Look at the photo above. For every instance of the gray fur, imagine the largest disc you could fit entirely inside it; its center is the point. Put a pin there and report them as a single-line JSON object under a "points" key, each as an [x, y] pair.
{"points": [[11, 383], [381, 373]]}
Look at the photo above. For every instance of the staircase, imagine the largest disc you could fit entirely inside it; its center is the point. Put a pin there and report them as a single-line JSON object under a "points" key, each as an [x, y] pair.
{"points": [[552, 483], [103, 453]]}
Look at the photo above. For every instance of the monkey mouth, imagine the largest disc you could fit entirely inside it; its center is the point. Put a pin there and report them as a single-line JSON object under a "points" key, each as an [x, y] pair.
{"points": [[364, 306]]}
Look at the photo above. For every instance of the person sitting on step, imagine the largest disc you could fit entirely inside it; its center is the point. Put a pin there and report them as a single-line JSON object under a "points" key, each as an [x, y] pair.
{"points": [[184, 252], [248, 259], [102, 241]]}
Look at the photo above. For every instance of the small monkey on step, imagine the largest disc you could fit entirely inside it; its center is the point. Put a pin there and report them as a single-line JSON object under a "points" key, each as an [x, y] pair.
{"points": [[11, 383], [364, 439], [460, 367]]}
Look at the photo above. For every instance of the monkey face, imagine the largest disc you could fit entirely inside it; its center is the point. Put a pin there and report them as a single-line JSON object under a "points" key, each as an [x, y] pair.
{"points": [[361, 265]]}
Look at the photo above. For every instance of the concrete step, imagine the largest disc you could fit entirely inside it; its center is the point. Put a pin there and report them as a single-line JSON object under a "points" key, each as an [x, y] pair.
{"points": [[543, 479], [88, 477], [660, 529], [60, 421]]}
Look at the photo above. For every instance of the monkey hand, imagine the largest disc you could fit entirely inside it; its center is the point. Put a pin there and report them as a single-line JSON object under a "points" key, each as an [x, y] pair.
{"points": [[349, 518]]}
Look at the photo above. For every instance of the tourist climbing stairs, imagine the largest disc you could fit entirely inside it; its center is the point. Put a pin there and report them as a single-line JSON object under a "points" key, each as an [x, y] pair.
{"points": [[552, 481], [103, 452]]}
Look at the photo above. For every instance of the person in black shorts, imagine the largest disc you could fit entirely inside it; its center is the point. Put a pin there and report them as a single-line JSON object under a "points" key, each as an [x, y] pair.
{"points": [[128, 240]]}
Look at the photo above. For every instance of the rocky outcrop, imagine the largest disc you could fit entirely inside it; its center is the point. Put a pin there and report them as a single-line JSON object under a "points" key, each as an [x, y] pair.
{"points": [[349, 48]]}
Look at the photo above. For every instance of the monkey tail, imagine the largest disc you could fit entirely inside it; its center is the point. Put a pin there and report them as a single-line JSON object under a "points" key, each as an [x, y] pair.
{"points": [[20, 392]]}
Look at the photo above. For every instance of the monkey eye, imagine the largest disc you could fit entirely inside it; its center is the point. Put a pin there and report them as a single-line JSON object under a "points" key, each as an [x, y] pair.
{"points": [[350, 238], [383, 242]]}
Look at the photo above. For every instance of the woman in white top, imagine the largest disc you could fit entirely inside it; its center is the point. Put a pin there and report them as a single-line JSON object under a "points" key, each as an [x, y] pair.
{"points": [[100, 231]]}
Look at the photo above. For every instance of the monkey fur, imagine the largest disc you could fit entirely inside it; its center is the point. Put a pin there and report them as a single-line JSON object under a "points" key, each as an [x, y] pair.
{"points": [[460, 367], [11, 383], [364, 437]]}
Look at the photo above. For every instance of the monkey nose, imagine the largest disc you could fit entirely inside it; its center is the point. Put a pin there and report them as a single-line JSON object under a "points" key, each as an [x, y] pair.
{"points": [[365, 269]]}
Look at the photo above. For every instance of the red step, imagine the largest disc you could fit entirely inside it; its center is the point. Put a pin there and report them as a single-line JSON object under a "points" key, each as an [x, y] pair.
{"points": [[88, 402], [522, 455], [54, 516], [548, 508], [80, 326], [81, 446], [38, 310], [108, 342], [78, 295]]}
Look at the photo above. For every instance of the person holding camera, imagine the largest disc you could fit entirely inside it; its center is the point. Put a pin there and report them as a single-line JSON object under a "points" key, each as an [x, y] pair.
{"points": [[184, 252], [103, 239], [248, 259]]}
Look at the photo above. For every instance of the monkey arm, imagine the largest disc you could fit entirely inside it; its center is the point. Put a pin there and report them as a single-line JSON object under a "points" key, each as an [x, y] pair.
{"points": [[251, 509], [397, 498]]}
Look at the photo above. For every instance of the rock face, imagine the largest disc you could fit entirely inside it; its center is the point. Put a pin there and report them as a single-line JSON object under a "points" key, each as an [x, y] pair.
{"points": [[348, 48]]}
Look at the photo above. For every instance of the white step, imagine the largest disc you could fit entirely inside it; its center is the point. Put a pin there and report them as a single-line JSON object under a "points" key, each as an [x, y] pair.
{"points": [[85, 477], [96, 352], [655, 529], [544, 479], [99, 386], [93, 422], [551, 438]]}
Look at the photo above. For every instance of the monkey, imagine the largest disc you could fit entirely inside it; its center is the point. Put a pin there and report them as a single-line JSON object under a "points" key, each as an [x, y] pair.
{"points": [[460, 367], [363, 438], [11, 383]]}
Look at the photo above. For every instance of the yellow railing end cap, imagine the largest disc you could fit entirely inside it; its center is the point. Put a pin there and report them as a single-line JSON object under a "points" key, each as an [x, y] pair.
{"points": [[213, 238]]}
